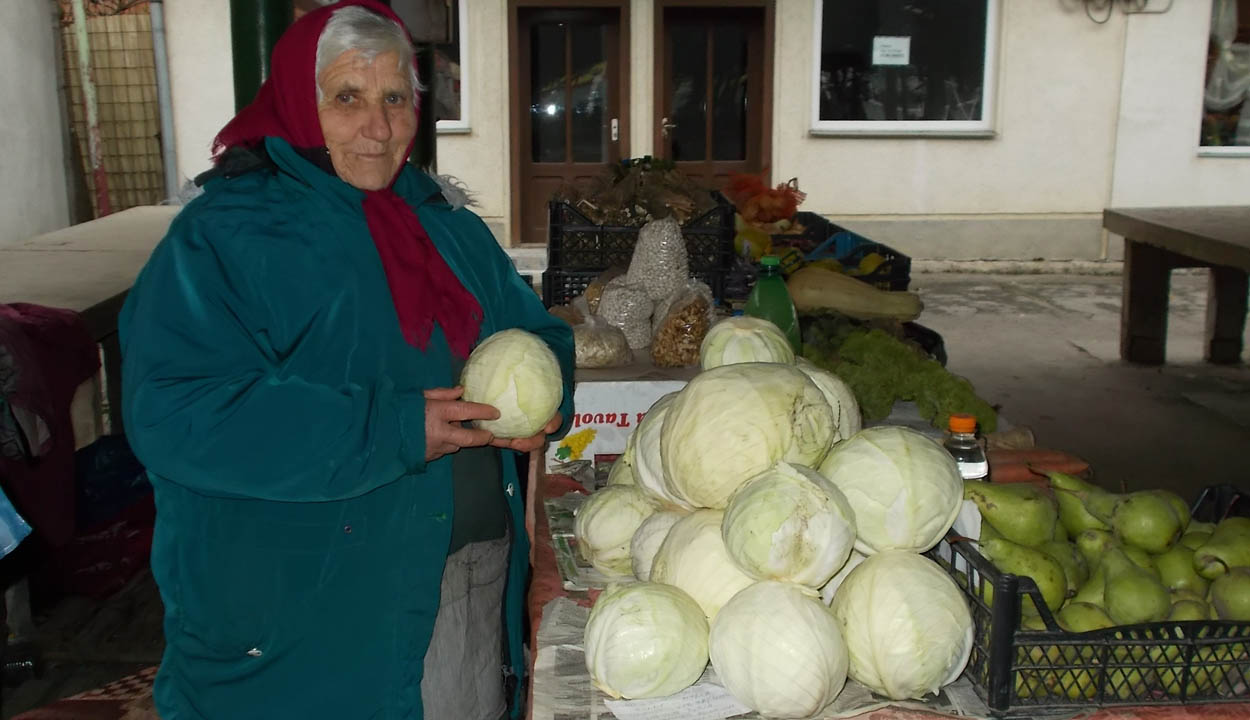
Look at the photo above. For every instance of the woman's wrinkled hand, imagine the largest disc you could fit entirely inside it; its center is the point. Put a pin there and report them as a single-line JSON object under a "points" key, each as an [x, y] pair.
{"points": [[534, 442], [444, 414]]}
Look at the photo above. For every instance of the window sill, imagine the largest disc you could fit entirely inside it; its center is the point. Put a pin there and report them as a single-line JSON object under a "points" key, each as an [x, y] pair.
{"points": [[1225, 151], [452, 130], [867, 133]]}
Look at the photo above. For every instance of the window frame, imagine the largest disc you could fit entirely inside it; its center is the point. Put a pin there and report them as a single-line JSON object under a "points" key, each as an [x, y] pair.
{"points": [[984, 128], [461, 126]]}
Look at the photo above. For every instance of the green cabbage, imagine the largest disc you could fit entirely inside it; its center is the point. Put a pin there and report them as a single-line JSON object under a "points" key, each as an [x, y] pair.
{"points": [[515, 372], [648, 538], [693, 558], [845, 407], [744, 339], [605, 525]]}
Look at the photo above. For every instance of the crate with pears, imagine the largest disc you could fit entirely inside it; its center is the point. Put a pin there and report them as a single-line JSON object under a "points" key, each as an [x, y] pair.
{"points": [[1084, 597]]}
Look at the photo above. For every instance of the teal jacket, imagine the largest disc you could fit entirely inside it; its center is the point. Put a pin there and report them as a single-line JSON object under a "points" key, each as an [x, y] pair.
{"points": [[300, 534]]}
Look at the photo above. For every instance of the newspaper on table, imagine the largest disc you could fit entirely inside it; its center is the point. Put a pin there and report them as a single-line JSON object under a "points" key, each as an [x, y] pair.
{"points": [[563, 691]]}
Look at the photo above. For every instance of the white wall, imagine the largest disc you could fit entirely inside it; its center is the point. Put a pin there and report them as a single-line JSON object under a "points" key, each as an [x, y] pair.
{"points": [[201, 78], [1156, 158], [33, 188]]}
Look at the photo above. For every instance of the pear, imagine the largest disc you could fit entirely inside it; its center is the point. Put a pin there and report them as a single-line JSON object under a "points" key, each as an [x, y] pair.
{"points": [[1176, 570], [1093, 544], [1228, 547], [1132, 595], [1022, 512], [1194, 539], [1074, 568], [988, 531], [1127, 684], [1092, 591], [1185, 610], [1083, 617], [1148, 521], [1072, 513], [1143, 559], [1184, 594], [1199, 526], [1099, 503], [1061, 532], [1179, 506], [1205, 672], [1230, 594], [1024, 561]]}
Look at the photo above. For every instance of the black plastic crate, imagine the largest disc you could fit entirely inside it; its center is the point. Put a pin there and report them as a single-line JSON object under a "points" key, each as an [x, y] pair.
{"points": [[561, 286], [574, 243], [848, 248], [1023, 673]]}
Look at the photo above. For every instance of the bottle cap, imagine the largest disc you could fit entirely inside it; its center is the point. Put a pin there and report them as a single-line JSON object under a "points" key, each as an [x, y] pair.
{"points": [[770, 261], [962, 423]]}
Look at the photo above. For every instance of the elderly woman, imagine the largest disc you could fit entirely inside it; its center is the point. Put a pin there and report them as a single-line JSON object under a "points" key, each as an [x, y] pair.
{"points": [[332, 540]]}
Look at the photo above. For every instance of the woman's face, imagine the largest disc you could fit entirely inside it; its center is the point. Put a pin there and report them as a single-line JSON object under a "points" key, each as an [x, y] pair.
{"points": [[367, 117]]}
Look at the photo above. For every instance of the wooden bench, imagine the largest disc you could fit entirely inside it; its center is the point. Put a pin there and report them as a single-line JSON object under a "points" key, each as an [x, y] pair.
{"points": [[1158, 240]]}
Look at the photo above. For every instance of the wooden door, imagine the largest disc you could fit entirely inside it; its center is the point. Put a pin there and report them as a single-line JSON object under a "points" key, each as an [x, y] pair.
{"points": [[569, 85], [713, 90]]}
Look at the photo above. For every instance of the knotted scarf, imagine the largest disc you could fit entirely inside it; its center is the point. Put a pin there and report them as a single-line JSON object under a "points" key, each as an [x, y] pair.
{"points": [[424, 289]]}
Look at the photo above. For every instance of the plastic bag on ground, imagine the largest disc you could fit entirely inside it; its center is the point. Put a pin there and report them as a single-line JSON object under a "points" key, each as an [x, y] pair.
{"points": [[680, 324]]}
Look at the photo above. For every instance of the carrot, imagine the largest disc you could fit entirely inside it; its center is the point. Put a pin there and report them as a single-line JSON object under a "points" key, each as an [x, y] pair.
{"points": [[1010, 466]]}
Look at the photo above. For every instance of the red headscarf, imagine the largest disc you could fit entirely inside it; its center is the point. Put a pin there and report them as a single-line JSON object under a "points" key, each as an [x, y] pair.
{"points": [[423, 287]]}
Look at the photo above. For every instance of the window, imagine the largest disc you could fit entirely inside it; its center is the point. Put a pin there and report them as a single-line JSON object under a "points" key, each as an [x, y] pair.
{"points": [[451, 96], [890, 67], [1226, 99]]}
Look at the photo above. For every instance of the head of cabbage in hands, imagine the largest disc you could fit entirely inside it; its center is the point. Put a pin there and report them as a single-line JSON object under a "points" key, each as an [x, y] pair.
{"points": [[510, 391]]}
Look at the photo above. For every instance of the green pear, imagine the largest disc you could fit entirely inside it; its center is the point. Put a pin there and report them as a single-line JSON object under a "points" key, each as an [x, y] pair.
{"points": [[1148, 521], [988, 531], [1022, 512], [1132, 595], [1083, 617], [1230, 594], [1092, 591], [1185, 610], [1194, 539], [1093, 544], [1127, 684], [1099, 503], [1076, 684], [1205, 672], [1176, 570], [1185, 594], [1143, 559], [1024, 561], [1072, 513], [1179, 506], [1228, 547], [1061, 532], [1074, 568], [1199, 526]]}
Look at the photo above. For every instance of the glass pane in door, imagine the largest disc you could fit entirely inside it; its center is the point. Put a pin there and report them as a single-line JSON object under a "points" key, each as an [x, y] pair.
{"points": [[548, 83], [689, 94], [590, 94], [729, 93]]}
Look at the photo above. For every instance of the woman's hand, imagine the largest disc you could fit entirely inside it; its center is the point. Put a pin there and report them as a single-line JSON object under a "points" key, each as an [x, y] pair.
{"points": [[444, 413], [534, 442]]}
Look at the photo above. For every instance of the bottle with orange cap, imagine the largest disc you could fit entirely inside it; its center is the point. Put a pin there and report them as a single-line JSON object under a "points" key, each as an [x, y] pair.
{"points": [[961, 442]]}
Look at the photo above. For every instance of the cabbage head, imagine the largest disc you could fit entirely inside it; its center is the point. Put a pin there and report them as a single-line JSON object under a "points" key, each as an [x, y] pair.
{"points": [[779, 650], [693, 558], [645, 640], [789, 523], [904, 487], [622, 472], [744, 339], [515, 372], [644, 445], [732, 423], [831, 588], [846, 411], [605, 525], [648, 538], [906, 625]]}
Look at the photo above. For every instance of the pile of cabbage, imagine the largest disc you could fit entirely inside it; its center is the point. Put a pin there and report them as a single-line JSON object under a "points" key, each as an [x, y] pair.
{"points": [[752, 523]]}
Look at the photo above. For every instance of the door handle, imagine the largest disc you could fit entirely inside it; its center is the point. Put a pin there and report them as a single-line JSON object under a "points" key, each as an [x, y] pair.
{"points": [[666, 127]]}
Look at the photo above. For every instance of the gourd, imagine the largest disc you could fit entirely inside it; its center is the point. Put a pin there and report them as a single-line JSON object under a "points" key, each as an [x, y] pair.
{"points": [[816, 289]]}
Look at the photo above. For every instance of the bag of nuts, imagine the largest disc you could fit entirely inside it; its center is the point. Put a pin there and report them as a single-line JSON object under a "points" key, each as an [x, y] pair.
{"points": [[684, 320], [600, 345]]}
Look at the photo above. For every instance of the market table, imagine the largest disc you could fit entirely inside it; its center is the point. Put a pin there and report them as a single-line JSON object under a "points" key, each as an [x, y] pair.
{"points": [[1159, 240]]}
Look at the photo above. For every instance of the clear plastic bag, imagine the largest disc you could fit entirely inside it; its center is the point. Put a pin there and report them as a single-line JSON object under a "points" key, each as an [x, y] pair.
{"points": [[681, 324], [594, 291], [598, 344], [626, 306], [659, 263]]}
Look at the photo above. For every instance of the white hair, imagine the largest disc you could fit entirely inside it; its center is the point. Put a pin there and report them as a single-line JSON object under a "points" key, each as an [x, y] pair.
{"points": [[370, 34]]}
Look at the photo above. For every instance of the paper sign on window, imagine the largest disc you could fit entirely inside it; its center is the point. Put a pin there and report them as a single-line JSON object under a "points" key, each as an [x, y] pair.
{"points": [[891, 50]]}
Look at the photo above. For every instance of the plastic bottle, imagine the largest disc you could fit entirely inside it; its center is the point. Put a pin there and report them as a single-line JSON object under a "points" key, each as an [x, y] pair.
{"points": [[961, 442], [770, 300]]}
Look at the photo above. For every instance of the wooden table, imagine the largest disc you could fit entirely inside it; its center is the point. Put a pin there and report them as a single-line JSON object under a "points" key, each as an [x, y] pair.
{"points": [[87, 268], [1158, 240]]}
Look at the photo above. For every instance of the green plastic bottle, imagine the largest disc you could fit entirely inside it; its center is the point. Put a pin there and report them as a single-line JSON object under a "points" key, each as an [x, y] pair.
{"points": [[770, 300]]}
